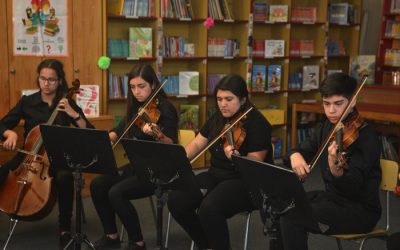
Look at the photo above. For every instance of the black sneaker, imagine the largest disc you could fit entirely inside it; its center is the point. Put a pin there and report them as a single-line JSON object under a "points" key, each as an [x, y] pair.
{"points": [[133, 246], [64, 239], [106, 242]]}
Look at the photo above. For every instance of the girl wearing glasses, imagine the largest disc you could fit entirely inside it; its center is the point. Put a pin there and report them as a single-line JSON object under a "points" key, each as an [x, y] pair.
{"points": [[36, 109]]}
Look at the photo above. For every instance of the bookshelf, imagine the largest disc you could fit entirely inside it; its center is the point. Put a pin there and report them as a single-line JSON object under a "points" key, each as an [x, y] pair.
{"points": [[388, 58]]}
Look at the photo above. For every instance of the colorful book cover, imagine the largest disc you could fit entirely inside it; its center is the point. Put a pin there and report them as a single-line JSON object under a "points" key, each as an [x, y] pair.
{"points": [[274, 48], [274, 77], [310, 77], [278, 13], [258, 79], [361, 65], [88, 100], [140, 42], [189, 83], [189, 116]]}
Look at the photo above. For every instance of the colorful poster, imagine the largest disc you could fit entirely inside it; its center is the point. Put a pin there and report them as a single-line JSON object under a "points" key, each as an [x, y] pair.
{"points": [[88, 100], [40, 27]]}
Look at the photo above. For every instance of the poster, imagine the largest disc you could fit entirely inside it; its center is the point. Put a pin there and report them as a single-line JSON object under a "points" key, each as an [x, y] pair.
{"points": [[88, 100], [40, 27]]}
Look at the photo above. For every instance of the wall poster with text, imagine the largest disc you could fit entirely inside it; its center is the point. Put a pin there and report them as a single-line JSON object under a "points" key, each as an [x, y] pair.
{"points": [[40, 27]]}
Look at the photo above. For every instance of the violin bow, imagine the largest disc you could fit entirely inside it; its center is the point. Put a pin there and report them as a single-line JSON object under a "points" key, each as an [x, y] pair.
{"points": [[224, 131], [337, 125], [139, 113], [26, 152]]}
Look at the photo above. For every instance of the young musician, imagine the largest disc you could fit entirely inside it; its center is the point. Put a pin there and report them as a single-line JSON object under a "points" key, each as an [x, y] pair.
{"points": [[224, 193], [112, 194], [350, 202], [36, 109]]}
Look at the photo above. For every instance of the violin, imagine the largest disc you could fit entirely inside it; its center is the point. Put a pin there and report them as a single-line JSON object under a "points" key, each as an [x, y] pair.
{"points": [[140, 115], [28, 193], [150, 115], [235, 136], [226, 129], [347, 133]]}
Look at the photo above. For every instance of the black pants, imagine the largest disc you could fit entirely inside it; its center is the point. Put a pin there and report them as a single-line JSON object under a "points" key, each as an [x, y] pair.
{"points": [[111, 195], [208, 227], [64, 184], [341, 216]]}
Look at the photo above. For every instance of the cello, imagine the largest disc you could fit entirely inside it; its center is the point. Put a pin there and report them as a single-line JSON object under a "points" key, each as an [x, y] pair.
{"points": [[28, 193]]}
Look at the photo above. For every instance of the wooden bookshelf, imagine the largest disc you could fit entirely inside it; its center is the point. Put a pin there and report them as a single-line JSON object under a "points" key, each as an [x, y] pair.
{"points": [[389, 37]]}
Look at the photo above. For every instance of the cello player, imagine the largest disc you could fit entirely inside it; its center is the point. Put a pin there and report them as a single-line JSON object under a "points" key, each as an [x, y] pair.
{"points": [[36, 109]]}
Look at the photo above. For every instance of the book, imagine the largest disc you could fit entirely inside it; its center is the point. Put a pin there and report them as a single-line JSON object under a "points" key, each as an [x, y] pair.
{"points": [[310, 77], [361, 65], [274, 77], [88, 100], [258, 79], [140, 42], [278, 13], [188, 83], [274, 48], [189, 116], [114, 7]]}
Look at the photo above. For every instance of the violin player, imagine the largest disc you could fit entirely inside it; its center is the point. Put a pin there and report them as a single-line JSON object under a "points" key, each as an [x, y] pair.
{"points": [[224, 193], [111, 195], [350, 202], [36, 109]]}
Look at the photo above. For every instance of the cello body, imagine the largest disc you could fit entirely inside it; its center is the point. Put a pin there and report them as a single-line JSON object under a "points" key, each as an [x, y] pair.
{"points": [[28, 193]]}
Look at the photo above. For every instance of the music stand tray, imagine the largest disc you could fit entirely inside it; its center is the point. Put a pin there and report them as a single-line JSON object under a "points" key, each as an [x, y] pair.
{"points": [[78, 150], [280, 186], [164, 165]]}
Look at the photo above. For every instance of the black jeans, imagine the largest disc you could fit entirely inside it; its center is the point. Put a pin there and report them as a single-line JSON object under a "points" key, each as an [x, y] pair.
{"points": [[111, 195], [341, 216], [64, 185], [208, 227]]}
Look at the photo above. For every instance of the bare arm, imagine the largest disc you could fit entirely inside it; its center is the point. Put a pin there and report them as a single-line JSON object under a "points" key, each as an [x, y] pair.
{"points": [[195, 146]]}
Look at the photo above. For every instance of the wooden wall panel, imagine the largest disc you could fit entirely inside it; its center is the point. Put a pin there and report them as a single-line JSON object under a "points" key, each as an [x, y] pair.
{"points": [[25, 66], [88, 41], [4, 85]]}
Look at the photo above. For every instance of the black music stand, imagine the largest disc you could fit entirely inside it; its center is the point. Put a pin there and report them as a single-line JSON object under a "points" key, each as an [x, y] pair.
{"points": [[78, 150], [164, 165], [277, 192]]}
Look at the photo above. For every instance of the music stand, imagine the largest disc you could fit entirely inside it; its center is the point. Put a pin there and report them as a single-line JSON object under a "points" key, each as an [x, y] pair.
{"points": [[78, 150], [277, 192], [164, 165]]}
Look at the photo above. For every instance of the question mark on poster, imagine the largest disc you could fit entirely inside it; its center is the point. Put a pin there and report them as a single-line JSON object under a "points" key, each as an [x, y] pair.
{"points": [[48, 48]]}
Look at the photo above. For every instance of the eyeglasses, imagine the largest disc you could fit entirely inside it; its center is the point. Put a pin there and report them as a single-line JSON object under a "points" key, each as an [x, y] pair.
{"points": [[43, 79]]}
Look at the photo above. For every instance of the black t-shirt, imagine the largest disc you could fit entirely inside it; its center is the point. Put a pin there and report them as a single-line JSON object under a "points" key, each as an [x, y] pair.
{"points": [[34, 111], [258, 138], [168, 123]]}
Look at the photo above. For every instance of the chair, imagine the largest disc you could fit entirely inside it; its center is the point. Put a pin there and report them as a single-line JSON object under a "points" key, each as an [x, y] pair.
{"points": [[388, 183]]}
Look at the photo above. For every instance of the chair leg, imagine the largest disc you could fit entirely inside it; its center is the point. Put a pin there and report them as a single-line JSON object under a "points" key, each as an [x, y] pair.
{"points": [[339, 244], [167, 231], [13, 224], [246, 235], [192, 245], [121, 237]]}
